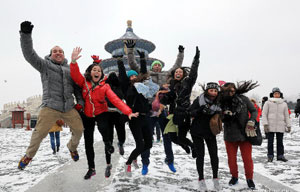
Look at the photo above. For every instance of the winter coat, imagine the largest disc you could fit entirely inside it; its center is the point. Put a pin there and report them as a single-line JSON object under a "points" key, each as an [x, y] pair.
{"points": [[94, 98], [276, 115], [55, 128], [135, 100], [234, 127], [159, 78], [201, 116], [115, 85], [180, 91], [58, 86], [258, 112]]}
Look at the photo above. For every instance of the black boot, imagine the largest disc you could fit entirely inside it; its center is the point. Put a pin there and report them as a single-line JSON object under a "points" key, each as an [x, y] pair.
{"points": [[282, 158], [270, 159], [233, 181], [54, 152], [251, 184], [57, 148], [121, 148]]}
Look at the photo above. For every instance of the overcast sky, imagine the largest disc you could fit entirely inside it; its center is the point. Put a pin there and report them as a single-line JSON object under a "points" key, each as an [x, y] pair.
{"points": [[239, 40]]}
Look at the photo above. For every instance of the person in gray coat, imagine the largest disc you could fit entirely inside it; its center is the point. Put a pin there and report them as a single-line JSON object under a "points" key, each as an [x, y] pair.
{"points": [[58, 99]]}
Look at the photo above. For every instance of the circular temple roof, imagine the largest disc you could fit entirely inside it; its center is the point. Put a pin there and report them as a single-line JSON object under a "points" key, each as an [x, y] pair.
{"points": [[119, 43]]}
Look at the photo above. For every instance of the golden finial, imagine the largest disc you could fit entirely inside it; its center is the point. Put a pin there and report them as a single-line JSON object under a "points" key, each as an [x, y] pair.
{"points": [[129, 23]]}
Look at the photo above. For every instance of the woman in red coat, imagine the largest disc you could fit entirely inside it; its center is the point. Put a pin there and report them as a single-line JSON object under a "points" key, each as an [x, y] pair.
{"points": [[94, 92]]}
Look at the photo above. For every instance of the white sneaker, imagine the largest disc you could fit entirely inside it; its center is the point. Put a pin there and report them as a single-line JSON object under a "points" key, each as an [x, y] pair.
{"points": [[135, 164], [217, 184], [202, 185]]}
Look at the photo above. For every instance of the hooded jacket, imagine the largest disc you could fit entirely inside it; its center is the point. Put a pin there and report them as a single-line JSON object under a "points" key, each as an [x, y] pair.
{"points": [[94, 98], [276, 115], [58, 87]]}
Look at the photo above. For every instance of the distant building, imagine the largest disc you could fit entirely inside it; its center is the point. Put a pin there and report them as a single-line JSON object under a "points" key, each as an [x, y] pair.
{"points": [[116, 47], [31, 105]]}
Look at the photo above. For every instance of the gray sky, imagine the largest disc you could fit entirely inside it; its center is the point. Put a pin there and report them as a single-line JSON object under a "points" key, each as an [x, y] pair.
{"points": [[239, 40]]}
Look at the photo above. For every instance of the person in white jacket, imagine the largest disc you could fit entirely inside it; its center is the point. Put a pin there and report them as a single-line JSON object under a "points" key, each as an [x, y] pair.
{"points": [[276, 121]]}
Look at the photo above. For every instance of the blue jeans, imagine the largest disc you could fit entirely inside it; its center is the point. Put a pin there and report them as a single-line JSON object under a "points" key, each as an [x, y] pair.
{"points": [[52, 139], [280, 147], [162, 120]]}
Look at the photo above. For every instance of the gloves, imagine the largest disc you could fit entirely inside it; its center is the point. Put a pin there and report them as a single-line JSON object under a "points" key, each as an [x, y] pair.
{"points": [[250, 129], [288, 129], [181, 49], [60, 122], [130, 43], [197, 55], [26, 27], [266, 128], [79, 108], [141, 54]]}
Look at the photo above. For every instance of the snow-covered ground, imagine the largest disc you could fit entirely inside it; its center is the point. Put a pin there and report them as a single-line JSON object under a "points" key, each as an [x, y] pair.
{"points": [[14, 142]]}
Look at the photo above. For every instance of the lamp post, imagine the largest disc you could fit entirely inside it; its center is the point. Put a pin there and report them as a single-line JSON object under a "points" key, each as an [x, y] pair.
{"points": [[28, 116]]}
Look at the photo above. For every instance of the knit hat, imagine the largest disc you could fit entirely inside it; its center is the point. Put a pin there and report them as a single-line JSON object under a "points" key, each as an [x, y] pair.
{"points": [[156, 62], [131, 72], [212, 85], [276, 89]]}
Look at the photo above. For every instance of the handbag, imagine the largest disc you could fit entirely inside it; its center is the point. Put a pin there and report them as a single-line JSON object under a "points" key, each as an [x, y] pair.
{"points": [[215, 124], [257, 140]]}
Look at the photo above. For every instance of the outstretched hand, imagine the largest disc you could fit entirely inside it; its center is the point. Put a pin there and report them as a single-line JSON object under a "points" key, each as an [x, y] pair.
{"points": [[180, 48], [197, 55], [26, 27], [133, 115], [130, 43], [75, 54]]}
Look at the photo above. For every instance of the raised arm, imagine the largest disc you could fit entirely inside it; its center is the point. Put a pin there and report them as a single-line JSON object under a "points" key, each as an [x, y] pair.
{"points": [[124, 80], [130, 44], [27, 46], [74, 69], [143, 62], [194, 68], [179, 59]]}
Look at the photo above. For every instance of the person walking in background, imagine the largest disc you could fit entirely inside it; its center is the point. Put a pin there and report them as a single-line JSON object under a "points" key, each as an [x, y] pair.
{"points": [[297, 110], [58, 100], [94, 92], [202, 110], [54, 134], [160, 77], [259, 112], [237, 126], [276, 121]]}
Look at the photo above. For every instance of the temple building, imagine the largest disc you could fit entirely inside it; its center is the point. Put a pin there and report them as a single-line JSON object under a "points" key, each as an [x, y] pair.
{"points": [[117, 47]]}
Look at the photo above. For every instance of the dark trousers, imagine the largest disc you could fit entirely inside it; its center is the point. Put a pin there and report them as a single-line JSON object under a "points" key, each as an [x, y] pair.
{"points": [[212, 147], [142, 135], [54, 136], [89, 126], [163, 121], [183, 128], [116, 120], [280, 147]]}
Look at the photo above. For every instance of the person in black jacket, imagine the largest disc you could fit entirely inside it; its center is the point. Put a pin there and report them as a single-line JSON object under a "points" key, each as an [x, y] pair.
{"points": [[116, 119], [181, 84], [139, 126], [202, 110], [238, 126], [297, 109]]}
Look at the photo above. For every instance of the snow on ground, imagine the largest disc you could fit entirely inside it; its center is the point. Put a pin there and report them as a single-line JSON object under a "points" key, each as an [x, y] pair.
{"points": [[14, 142]]}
